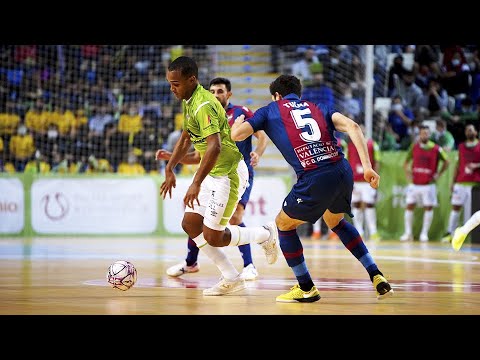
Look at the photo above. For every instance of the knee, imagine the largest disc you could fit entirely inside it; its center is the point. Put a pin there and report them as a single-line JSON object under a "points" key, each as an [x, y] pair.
{"points": [[285, 223], [185, 227], [213, 239], [332, 220], [190, 229]]}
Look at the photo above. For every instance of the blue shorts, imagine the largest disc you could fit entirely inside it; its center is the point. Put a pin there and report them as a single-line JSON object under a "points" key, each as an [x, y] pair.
{"points": [[318, 190], [246, 195]]}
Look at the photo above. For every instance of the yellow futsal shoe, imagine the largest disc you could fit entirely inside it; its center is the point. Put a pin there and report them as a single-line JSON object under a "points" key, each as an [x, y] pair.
{"points": [[458, 238], [382, 287], [298, 295]]}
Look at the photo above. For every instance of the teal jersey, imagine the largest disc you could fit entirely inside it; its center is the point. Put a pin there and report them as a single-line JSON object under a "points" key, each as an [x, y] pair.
{"points": [[204, 116]]}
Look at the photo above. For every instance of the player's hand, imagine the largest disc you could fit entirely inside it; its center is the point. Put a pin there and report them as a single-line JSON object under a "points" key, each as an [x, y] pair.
{"points": [[254, 158], [239, 119], [192, 195], [163, 155], [371, 177], [169, 183]]}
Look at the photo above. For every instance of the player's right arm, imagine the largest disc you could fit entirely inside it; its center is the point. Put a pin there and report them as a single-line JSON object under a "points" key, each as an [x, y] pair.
{"points": [[181, 148], [406, 164], [345, 124]]}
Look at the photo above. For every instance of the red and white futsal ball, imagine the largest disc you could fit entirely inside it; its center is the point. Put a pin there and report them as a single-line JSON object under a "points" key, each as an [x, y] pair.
{"points": [[122, 275]]}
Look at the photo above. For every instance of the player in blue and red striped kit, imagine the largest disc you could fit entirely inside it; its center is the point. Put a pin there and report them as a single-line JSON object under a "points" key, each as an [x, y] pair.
{"points": [[304, 133]]}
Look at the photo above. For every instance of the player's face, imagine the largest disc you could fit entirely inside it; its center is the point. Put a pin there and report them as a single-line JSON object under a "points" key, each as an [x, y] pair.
{"points": [[470, 132], [181, 87], [424, 135], [221, 93]]}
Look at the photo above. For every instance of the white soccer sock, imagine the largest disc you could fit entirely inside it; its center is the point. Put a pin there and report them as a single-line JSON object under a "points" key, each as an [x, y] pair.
{"points": [[471, 223], [371, 218], [427, 221], [218, 257], [453, 221], [408, 217], [246, 235], [358, 219]]}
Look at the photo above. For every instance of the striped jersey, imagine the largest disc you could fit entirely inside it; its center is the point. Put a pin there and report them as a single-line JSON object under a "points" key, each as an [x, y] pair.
{"points": [[301, 130]]}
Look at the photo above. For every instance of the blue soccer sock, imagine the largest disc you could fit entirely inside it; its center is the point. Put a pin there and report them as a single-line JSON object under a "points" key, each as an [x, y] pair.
{"points": [[246, 251], [292, 250], [352, 240], [192, 254]]}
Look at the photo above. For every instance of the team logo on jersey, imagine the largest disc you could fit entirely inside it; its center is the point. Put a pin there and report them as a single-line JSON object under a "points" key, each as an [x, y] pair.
{"points": [[299, 200]]}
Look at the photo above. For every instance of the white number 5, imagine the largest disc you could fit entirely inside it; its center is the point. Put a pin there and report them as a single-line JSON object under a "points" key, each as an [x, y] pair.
{"points": [[302, 119]]}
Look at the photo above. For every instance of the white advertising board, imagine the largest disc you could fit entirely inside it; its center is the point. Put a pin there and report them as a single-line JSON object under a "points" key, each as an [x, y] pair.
{"points": [[94, 206], [12, 206]]}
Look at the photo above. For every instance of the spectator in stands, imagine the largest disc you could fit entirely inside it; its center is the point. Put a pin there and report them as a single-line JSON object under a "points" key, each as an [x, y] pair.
{"points": [[388, 137], [395, 73], [302, 67], [400, 118], [408, 91], [146, 144], [455, 73], [427, 56], [95, 165], [350, 106], [130, 121], [442, 136], [475, 73], [79, 119], [9, 120], [434, 101], [421, 168], [97, 124], [36, 119], [63, 118], [132, 166], [21, 147], [116, 145], [79, 147], [318, 92], [38, 165], [457, 121], [49, 143]]}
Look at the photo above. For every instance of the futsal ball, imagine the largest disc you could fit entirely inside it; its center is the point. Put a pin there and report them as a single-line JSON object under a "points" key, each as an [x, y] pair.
{"points": [[122, 275]]}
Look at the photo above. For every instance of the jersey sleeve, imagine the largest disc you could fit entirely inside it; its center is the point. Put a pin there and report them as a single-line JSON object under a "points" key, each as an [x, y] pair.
{"points": [[247, 112], [258, 119]]}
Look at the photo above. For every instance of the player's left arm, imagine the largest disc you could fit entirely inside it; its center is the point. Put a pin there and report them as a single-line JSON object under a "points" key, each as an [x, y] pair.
{"points": [[343, 123], [445, 162], [260, 148]]}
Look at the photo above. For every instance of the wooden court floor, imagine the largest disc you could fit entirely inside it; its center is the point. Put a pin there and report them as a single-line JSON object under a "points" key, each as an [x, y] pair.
{"points": [[66, 276]]}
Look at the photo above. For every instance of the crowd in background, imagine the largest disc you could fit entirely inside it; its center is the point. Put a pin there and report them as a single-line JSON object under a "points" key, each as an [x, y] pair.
{"points": [[108, 108]]}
